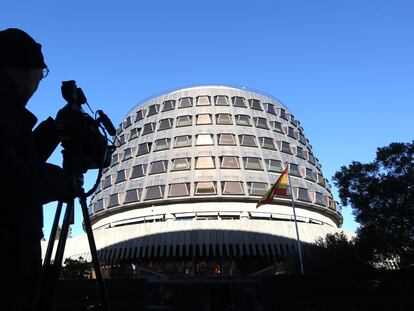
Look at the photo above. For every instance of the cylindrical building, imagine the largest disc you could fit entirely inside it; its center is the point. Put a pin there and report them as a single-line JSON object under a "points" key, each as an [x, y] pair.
{"points": [[189, 168]]}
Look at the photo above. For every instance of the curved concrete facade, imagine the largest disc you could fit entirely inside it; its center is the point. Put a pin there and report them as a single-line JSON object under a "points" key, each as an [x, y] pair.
{"points": [[197, 160]]}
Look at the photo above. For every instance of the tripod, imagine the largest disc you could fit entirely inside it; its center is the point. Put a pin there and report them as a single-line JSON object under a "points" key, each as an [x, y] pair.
{"points": [[52, 270]]}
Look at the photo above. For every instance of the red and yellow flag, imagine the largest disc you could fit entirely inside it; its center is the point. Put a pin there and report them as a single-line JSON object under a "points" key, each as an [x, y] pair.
{"points": [[279, 188]]}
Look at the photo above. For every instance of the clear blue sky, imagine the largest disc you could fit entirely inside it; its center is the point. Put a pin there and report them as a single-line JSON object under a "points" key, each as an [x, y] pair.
{"points": [[344, 68]]}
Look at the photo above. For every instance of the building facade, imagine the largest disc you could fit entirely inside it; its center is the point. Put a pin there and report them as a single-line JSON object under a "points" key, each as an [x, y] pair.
{"points": [[190, 165]]}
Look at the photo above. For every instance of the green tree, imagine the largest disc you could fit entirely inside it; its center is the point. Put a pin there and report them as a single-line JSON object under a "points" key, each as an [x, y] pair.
{"points": [[381, 194]]}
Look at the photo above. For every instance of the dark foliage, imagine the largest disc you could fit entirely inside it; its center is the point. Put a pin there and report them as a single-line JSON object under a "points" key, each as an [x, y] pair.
{"points": [[381, 195], [75, 269]]}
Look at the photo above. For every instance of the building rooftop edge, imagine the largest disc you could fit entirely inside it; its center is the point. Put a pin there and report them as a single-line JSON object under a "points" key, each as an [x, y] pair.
{"points": [[201, 86]]}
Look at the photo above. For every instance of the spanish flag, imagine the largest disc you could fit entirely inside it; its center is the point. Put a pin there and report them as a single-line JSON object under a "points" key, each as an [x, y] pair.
{"points": [[279, 188]]}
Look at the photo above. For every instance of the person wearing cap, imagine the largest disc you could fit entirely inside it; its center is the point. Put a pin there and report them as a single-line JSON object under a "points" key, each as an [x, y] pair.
{"points": [[27, 180]]}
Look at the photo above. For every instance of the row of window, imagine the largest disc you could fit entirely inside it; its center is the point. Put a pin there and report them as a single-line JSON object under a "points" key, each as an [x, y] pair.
{"points": [[209, 162], [219, 100], [223, 139], [207, 119], [205, 188]]}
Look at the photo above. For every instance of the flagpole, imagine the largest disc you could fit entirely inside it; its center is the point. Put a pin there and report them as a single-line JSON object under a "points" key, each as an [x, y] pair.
{"points": [[296, 226]]}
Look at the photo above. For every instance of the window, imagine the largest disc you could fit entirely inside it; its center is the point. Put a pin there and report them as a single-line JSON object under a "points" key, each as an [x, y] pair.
{"points": [[179, 190], [204, 139], [226, 139], [320, 180], [153, 109], [223, 119], [148, 128], [113, 200], [283, 114], [257, 188], [203, 101], [134, 133], [182, 141], [229, 162], [320, 199], [277, 127], [139, 171], [221, 100], [302, 139], [184, 121], [144, 148], [121, 176], [292, 133], [180, 164], [205, 188], [127, 122], [252, 164], [247, 140], [294, 170], [204, 119], [132, 195], [332, 204], [243, 120], [127, 154], [162, 144], [232, 187], [310, 174], [238, 101], [158, 167], [267, 143], [140, 115], [311, 158], [168, 105], [154, 192], [293, 120], [285, 147], [260, 123], [300, 152], [269, 108], [185, 102], [255, 104], [303, 194], [165, 124], [107, 182], [115, 159], [274, 166], [205, 163], [121, 140], [99, 205]]}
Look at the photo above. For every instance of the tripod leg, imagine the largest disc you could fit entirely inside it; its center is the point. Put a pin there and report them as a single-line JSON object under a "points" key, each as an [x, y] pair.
{"points": [[51, 271], [92, 245], [52, 237]]}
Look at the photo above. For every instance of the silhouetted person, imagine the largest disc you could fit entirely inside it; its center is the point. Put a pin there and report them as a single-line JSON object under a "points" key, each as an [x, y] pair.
{"points": [[27, 181]]}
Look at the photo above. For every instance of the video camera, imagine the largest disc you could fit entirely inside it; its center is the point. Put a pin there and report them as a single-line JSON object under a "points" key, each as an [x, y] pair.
{"points": [[84, 138]]}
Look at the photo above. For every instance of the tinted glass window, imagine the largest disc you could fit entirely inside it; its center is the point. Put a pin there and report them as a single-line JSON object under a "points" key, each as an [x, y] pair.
{"points": [[154, 192], [205, 162], [238, 101], [179, 190], [221, 100], [203, 101], [226, 139], [181, 164], [230, 162], [185, 102], [205, 188], [233, 187], [168, 105], [138, 171]]}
